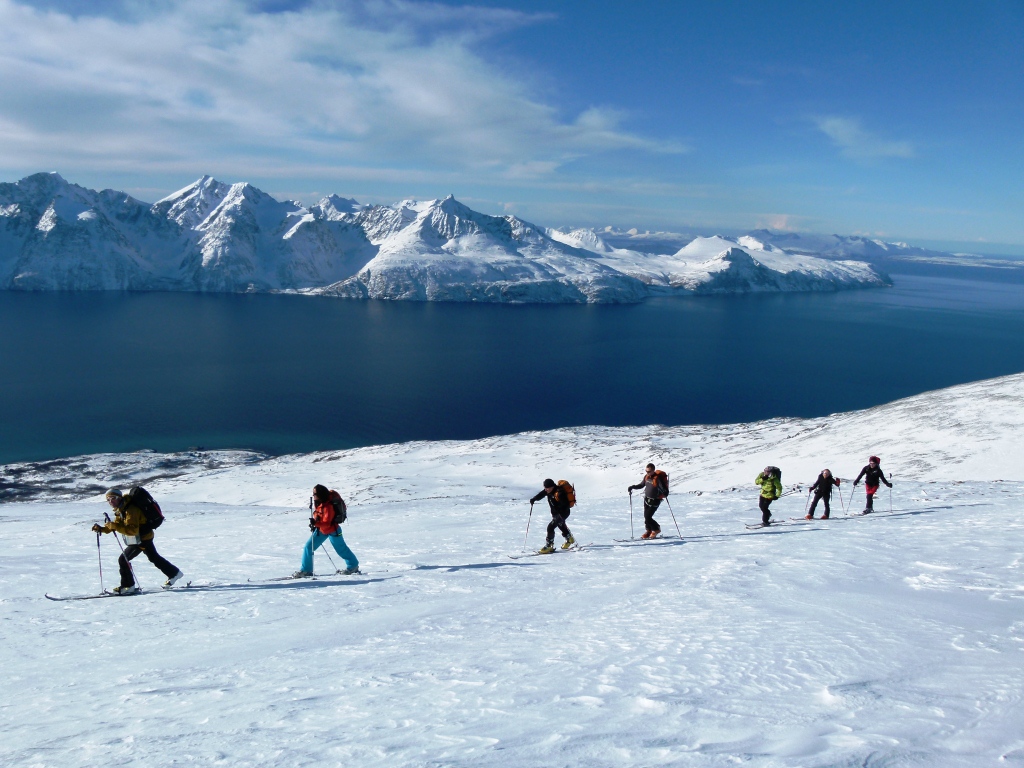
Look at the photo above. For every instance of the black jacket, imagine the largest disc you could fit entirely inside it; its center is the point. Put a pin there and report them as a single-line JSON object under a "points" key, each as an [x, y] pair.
{"points": [[653, 487], [558, 500], [823, 486], [872, 476]]}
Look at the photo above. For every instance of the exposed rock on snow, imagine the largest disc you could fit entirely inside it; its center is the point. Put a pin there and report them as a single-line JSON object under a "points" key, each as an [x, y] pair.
{"points": [[212, 236]]}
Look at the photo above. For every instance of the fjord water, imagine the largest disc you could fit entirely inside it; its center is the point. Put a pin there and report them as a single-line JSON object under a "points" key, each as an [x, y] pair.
{"points": [[96, 372]]}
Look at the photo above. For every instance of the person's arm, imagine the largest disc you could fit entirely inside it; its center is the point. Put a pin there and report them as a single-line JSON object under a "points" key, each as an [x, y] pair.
{"points": [[817, 484], [880, 472], [127, 524], [835, 480], [637, 487], [776, 487], [860, 475], [538, 497]]}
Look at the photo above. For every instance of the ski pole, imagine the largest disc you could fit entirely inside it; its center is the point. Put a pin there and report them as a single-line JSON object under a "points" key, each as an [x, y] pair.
{"points": [[528, 526], [630, 515], [890, 493], [841, 503], [808, 502], [124, 554], [673, 518], [100, 558]]}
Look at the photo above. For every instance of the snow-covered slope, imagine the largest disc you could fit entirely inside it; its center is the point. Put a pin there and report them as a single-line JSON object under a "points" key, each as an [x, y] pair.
{"points": [[212, 236], [885, 640]]}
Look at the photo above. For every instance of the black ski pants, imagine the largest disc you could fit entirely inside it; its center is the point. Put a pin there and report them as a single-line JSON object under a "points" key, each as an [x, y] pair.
{"points": [[763, 504], [650, 507], [134, 550], [824, 497], [557, 521]]}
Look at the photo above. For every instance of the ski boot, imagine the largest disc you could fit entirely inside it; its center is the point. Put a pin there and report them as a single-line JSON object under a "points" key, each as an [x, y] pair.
{"points": [[647, 535], [825, 516], [129, 590], [810, 517], [302, 574], [655, 534], [173, 580], [349, 571], [547, 549], [569, 542]]}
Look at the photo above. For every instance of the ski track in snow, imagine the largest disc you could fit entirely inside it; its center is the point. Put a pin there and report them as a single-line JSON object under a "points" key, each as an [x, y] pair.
{"points": [[884, 640]]}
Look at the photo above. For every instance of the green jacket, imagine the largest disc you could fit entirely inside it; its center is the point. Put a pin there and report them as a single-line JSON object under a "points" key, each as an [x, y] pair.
{"points": [[128, 522], [770, 487]]}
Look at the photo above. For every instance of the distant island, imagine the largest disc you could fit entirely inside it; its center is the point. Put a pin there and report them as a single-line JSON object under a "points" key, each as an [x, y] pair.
{"points": [[216, 237]]}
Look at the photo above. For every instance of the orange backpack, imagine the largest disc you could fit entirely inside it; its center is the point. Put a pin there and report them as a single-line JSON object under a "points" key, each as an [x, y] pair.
{"points": [[661, 478], [570, 492]]}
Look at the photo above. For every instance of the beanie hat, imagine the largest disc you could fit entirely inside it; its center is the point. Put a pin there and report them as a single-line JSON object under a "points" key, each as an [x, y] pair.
{"points": [[875, 459], [549, 483], [114, 492]]}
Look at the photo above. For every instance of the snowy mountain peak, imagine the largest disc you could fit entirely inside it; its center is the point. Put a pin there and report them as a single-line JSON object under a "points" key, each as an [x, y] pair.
{"points": [[190, 206]]}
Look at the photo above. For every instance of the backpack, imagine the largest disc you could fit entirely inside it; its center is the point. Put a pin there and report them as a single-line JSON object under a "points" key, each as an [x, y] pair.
{"points": [[661, 478], [570, 492], [340, 510], [152, 515]]}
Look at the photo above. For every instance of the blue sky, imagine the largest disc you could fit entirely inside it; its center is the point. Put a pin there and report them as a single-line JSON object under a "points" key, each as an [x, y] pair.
{"points": [[898, 120]]}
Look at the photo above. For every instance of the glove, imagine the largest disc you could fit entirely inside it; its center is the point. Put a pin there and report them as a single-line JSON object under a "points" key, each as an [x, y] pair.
{"points": [[312, 524], [96, 528], [630, 491]]}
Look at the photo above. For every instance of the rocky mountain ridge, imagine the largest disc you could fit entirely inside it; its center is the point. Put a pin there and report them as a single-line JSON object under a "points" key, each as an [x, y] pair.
{"points": [[217, 237]]}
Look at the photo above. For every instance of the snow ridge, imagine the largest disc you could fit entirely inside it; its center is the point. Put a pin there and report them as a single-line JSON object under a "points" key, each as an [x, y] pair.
{"points": [[217, 237]]}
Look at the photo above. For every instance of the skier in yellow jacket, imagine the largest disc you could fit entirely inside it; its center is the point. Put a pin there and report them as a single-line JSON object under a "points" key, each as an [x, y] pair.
{"points": [[129, 521], [770, 483]]}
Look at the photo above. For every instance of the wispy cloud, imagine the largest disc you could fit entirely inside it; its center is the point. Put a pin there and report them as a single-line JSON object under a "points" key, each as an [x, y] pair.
{"points": [[855, 141], [224, 84]]}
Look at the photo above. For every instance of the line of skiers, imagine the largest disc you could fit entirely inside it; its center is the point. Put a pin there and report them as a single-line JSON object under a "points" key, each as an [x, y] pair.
{"points": [[770, 482], [137, 516]]}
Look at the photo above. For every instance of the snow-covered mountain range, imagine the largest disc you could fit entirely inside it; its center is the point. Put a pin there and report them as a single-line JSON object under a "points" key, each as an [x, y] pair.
{"points": [[211, 236]]}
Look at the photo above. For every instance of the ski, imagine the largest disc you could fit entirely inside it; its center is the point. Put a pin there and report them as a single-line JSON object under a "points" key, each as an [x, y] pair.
{"points": [[314, 577], [812, 520], [643, 541], [759, 526], [88, 597], [175, 588], [573, 548]]}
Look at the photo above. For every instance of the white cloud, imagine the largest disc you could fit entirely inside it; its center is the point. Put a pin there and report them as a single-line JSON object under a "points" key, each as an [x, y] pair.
{"points": [[856, 142], [218, 84]]}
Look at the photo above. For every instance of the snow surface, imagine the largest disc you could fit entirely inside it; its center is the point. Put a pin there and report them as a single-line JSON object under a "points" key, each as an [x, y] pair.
{"points": [[893, 639], [212, 236]]}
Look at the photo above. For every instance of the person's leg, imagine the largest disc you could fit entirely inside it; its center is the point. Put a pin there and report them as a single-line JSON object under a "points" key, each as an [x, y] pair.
{"points": [[315, 540], [870, 493], [814, 504], [130, 552], [168, 570], [826, 501], [650, 507], [351, 562], [763, 504]]}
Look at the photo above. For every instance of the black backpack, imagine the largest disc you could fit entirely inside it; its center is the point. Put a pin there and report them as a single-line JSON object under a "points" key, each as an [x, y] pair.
{"points": [[340, 510], [153, 516]]}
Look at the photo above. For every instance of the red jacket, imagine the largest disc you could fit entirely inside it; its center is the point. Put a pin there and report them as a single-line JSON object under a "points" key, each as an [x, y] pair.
{"points": [[323, 516]]}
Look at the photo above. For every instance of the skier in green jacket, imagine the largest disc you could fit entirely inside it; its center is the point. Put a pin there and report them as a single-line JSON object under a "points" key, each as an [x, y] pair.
{"points": [[770, 483]]}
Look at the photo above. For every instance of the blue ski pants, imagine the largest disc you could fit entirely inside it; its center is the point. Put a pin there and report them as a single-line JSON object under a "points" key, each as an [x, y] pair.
{"points": [[337, 540]]}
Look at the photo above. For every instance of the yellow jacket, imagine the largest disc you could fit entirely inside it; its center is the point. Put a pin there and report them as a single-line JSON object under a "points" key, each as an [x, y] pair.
{"points": [[770, 487], [128, 522]]}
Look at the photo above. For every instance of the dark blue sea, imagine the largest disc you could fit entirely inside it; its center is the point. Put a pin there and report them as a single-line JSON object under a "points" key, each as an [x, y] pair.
{"points": [[92, 372]]}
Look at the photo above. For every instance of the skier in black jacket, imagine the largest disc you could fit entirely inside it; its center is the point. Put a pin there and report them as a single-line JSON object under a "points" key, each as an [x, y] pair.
{"points": [[655, 486], [822, 492], [558, 501], [872, 473]]}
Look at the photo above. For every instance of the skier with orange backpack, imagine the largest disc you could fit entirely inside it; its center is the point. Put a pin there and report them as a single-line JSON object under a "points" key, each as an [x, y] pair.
{"points": [[561, 498], [655, 486], [328, 515]]}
